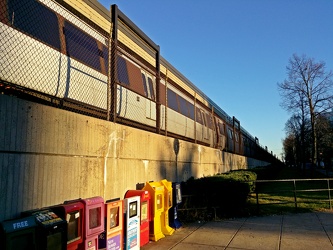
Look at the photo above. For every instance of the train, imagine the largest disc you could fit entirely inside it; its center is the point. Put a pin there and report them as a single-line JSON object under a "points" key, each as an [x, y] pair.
{"points": [[81, 56]]}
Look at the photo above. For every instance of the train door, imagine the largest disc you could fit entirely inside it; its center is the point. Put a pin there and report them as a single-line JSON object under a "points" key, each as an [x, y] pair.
{"points": [[237, 142], [149, 89], [221, 141], [205, 128], [163, 107], [236, 127], [230, 140]]}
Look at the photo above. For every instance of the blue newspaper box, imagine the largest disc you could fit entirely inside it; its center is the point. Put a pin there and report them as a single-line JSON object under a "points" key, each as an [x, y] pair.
{"points": [[18, 234], [173, 212]]}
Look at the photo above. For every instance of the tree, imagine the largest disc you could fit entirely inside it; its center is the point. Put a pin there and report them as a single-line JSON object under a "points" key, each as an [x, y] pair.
{"points": [[325, 138], [307, 92], [289, 150], [297, 127]]}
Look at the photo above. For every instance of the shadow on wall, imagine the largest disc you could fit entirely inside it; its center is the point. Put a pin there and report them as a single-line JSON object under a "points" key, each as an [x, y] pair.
{"points": [[180, 165]]}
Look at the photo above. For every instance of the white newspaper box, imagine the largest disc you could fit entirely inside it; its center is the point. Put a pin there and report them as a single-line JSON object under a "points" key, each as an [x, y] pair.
{"points": [[132, 223]]}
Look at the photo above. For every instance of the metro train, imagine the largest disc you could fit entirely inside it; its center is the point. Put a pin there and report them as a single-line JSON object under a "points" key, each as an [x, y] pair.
{"points": [[65, 52]]}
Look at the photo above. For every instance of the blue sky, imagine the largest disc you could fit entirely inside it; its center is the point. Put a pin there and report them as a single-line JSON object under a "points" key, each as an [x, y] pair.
{"points": [[236, 51]]}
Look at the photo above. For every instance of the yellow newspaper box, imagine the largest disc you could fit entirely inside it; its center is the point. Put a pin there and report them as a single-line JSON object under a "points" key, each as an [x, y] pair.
{"points": [[156, 191], [166, 229]]}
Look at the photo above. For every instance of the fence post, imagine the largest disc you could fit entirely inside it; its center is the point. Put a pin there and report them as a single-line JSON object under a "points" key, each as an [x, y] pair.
{"points": [[257, 199], [295, 196], [329, 193], [112, 90]]}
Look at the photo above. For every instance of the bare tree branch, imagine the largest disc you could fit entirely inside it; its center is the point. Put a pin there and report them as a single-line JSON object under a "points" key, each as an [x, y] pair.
{"points": [[308, 90]]}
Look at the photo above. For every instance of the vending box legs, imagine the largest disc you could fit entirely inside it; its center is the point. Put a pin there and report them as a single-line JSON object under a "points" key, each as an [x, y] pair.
{"points": [[112, 237], [145, 213], [18, 234]]}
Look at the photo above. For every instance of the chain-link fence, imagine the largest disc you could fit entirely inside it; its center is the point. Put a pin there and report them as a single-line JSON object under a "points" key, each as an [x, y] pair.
{"points": [[52, 56], [76, 57]]}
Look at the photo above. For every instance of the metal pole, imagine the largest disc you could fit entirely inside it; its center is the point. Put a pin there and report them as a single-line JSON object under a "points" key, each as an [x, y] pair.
{"points": [[329, 193], [158, 97], [166, 103], [257, 196], [113, 62], [295, 196], [109, 100]]}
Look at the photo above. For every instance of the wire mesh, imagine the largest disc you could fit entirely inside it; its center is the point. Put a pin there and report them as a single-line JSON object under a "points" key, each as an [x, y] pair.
{"points": [[50, 55]]}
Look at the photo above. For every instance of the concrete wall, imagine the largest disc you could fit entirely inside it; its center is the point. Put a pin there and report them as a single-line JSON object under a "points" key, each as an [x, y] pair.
{"points": [[48, 155]]}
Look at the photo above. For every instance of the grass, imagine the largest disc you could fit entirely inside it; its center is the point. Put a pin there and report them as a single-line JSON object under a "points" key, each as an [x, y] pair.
{"points": [[279, 196]]}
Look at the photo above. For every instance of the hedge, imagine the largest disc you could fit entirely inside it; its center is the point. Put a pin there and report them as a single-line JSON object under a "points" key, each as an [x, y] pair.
{"points": [[227, 193]]}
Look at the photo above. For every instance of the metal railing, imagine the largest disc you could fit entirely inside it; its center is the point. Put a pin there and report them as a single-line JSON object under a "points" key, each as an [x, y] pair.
{"points": [[294, 191]]}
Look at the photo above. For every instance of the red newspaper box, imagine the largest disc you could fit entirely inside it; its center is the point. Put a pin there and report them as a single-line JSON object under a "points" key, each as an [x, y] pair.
{"points": [[145, 215], [93, 222], [112, 237], [73, 213]]}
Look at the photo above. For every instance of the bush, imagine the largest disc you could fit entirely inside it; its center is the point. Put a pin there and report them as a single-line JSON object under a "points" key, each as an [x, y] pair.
{"points": [[227, 193]]}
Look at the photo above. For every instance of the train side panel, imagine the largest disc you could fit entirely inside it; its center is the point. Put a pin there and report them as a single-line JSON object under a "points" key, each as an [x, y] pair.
{"points": [[35, 66]]}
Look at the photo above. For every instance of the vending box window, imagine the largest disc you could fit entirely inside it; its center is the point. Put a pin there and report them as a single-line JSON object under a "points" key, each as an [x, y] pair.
{"points": [[73, 213], [112, 237], [18, 234], [145, 213], [93, 222]]}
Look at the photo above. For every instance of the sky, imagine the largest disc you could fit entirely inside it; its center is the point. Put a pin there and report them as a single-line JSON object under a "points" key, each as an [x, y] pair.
{"points": [[236, 51]]}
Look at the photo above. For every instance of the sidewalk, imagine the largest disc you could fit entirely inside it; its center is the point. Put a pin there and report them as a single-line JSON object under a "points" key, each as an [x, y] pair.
{"points": [[293, 231]]}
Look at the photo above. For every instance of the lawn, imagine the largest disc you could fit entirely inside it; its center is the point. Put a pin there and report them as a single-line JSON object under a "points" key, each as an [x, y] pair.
{"points": [[291, 190]]}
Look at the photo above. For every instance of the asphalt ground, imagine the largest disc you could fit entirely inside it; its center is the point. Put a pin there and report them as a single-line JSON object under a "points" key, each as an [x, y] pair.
{"points": [[291, 231]]}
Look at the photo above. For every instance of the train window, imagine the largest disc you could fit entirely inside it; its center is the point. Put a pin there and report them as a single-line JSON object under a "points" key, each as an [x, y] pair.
{"points": [[35, 19], [162, 94], [148, 86], [230, 134], [204, 118], [151, 88], [198, 116], [244, 140], [172, 100], [221, 127], [106, 57], [209, 120], [183, 106], [144, 82], [81, 46], [191, 110], [236, 123], [236, 137], [122, 71]]}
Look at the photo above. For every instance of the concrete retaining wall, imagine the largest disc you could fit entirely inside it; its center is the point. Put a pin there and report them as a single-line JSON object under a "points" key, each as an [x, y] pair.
{"points": [[48, 155]]}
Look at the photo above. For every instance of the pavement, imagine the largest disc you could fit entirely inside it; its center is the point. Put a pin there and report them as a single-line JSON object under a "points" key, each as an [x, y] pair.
{"points": [[284, 232]]}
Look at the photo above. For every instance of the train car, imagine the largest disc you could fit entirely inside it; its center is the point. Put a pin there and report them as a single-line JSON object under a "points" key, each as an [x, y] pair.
{"points": [[80, 55]]}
